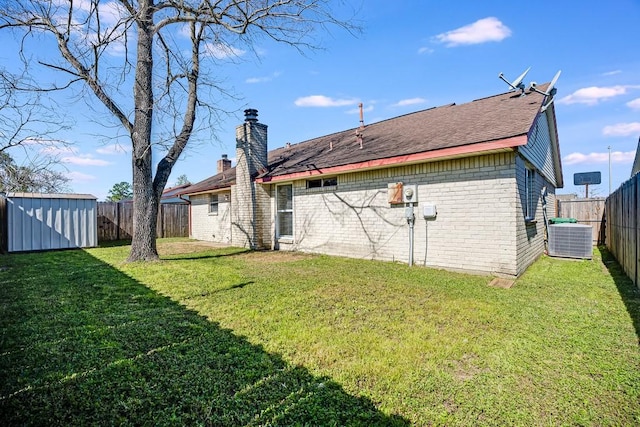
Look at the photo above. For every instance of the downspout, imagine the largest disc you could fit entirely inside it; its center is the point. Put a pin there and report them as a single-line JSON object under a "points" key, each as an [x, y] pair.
{"points": [[189, 203]]}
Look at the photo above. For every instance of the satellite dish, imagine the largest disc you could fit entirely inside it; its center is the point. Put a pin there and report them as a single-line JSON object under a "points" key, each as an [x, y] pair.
{"points": [[550, 94], [517, 83]]}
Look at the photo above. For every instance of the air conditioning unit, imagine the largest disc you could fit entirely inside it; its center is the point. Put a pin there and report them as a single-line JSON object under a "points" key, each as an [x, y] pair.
{"points": [[570, 241]]}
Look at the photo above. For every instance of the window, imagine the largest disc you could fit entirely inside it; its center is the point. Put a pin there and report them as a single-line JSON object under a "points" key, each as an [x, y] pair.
{"points": [[284, 202], [213, 204], [323, 182], [530, 197]]}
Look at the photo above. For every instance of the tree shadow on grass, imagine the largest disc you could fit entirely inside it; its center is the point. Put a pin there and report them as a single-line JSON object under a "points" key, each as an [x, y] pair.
{"points": [[83, 343], [629, 293]]}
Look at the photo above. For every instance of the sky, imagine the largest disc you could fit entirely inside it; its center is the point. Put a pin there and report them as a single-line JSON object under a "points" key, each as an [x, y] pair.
{"points": [[410, 55]]}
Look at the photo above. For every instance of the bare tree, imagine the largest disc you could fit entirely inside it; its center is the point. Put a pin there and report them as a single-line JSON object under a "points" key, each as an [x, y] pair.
{"points": [[27, 116], [166, 43], [28, 124], [35, 177]]}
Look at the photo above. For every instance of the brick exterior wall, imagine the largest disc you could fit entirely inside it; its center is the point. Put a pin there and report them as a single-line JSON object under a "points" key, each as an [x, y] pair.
{"points": [[211, 227], [251, 153], [475, 230]]}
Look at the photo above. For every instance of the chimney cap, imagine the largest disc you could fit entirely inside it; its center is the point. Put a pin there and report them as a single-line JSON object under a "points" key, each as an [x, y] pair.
{"points": [[224, 156], [250, 115]]}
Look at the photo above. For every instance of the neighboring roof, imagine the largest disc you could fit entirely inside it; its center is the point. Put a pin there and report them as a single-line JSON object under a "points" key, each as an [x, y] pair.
{"points": [[216, 182], [636, 163], [52, 196], [494, 123], [173, 192]]}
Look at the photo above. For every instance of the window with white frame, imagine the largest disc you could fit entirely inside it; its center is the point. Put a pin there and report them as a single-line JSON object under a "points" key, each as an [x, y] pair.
{"points": [[531, 199], [213, 204], [284, 202]]}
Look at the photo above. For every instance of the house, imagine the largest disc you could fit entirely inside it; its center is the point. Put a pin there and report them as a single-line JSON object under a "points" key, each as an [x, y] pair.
{"points": [[478, 175], [171, 194]]}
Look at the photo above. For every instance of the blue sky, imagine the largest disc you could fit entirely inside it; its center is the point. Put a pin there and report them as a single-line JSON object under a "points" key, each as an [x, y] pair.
{"points": [[411, 55]]}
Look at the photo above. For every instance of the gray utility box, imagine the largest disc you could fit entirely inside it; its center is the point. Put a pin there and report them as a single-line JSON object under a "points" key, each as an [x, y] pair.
{"points": [[570, 240]]}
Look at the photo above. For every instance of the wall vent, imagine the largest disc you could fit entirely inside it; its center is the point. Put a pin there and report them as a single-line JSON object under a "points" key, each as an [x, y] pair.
{"points": [[570, 241]]}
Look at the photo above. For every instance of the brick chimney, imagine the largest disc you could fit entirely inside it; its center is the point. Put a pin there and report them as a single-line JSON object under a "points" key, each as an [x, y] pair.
{"points": [[251, 142], [251, 199], [223, 164]]}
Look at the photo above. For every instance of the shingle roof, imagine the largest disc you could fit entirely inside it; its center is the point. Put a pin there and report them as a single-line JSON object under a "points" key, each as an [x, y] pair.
{"points": [[488, 119], [216, 182]]}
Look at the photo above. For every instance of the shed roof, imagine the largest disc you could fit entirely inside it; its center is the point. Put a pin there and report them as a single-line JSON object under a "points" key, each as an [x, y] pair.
{"points": [[52, 196], [466, 128]]}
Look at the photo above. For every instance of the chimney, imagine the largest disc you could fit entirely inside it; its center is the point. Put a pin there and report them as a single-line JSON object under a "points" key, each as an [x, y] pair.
{"points": [[224, 164], [249, 224], [251, 143]]}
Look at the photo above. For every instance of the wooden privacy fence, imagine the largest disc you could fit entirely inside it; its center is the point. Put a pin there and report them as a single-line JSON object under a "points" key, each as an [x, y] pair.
{"points": [[623, 237], [587, 212], [115, 220]]}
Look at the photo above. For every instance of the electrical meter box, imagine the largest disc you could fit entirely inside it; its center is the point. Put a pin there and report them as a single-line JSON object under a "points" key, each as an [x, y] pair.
{"points": [[410, 193], [429, 211]]}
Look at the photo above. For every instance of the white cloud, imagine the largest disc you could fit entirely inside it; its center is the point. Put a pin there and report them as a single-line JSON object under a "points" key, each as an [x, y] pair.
{"points": [[58, 150], [410, 101], [113, 149], [635, 104], [262, 79], [223, 51], [622, 129], [612, 73], [482, 31], [424, 50], [616, 157], [594, 94], [84, 160], [323, 101], [80, 177]]}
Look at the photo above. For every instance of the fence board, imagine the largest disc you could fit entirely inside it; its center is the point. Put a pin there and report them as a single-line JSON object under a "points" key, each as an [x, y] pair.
{"points": [[587, 212], [623, 236], [115, 220]]}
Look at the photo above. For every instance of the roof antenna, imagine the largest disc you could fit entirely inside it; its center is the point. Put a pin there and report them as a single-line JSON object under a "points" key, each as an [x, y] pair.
{"points": [[550, 94], [517, 83], [361, 128]]}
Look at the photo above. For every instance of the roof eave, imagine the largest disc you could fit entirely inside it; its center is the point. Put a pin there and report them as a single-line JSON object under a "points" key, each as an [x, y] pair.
{"points": [[208, 191]]}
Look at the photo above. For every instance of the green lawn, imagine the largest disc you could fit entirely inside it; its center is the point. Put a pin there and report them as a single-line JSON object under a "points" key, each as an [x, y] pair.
{"points": [[228, 337]]}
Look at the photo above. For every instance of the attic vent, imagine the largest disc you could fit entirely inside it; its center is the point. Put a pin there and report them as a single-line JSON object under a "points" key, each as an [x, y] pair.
{"points": [[570, 241]]}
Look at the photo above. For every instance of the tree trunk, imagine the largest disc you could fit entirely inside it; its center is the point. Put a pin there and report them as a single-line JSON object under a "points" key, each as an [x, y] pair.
{"points": [[145, 199]]}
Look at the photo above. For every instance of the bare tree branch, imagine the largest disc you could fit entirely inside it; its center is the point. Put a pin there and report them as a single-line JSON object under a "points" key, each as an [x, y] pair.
{"points": [[158, 105]]}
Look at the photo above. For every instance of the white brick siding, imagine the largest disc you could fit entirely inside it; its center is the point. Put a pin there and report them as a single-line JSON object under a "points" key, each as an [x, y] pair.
{"points": [[480, 226], [211, 227], [475, 229]]}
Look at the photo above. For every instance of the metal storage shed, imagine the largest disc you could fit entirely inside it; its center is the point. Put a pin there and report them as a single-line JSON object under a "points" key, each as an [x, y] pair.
{"points": [[36, 222]]}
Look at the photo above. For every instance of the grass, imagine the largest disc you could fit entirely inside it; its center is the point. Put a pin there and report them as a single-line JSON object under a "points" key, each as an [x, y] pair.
{"points": [[229, 337]]}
